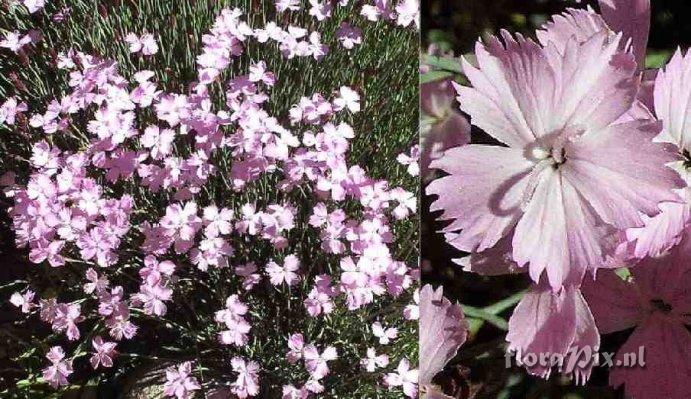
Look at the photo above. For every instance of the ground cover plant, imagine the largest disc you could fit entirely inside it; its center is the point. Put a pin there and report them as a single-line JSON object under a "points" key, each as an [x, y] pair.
{"points": [[209, 198], [556, 155]]}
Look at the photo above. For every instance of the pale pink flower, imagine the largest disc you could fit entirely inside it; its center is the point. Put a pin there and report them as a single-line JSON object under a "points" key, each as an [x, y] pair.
{"points": [[105, 351], [320, 10], [179, 381], [96, 284], [159, 141], [316, 363], [296, 344], [287, 5], [411, 161], [404, 377], [249, 275], [9, 110], [442, 126], [34, 5], [14, 41], [247, 382], [24, 301], [56, 374], [655, 300], [347, 98], [348, 35], [374, 361], [66, 317], [385, 335], [146, 43], [408, 12], [561, 151], [288, 273], [663, 231]]}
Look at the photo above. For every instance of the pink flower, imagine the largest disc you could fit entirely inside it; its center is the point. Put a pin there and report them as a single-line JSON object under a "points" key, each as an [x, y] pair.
{"points": [[56, 374], [65, 318], [290, 392], [146, 44], [320, 10], [349, 36], [316, 363], [347, 98], [663, 231], [296, 343], [655, 300], [250, 278], [411, 160], [180, 383], [560, 152], [233, 317], [34, 5], [96, 284], [24, 301], [160, 142], [320, 298], [9, 110], [14, 41], [408, 12], [287, 273], [285, 5], [385, 335], [374, 361], [403, 377], [380, 9], [442, 126], [154, 271], [247, 382], [105, 351], [217, 221]]}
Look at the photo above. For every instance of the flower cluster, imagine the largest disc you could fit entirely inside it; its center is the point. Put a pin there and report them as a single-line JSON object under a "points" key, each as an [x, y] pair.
{"points": [[589, 174], [146, 193]]}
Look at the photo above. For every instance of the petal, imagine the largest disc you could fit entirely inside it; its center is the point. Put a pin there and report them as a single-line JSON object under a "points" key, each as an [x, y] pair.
{"points": [[443, 330], [666, 349], [661, 232], [623, 159], [452, 131], [632, 18], [577, 23], [613, 302], [667, 277], [512, 92], [482, 192], [586, 340], [558, 233], [543, 323], [672, 96], [597, 82]]}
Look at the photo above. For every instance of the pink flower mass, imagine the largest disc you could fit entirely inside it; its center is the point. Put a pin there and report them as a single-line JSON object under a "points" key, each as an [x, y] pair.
{"points": [[190, 190]]}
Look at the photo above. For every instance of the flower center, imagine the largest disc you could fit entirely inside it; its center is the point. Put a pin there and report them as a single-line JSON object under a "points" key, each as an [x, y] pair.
{"points": [[687, 159], [556, 155]]}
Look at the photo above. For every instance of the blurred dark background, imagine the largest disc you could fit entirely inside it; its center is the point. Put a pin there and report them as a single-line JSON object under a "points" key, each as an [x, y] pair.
{"points": [[478, 371], [456, 25]]}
